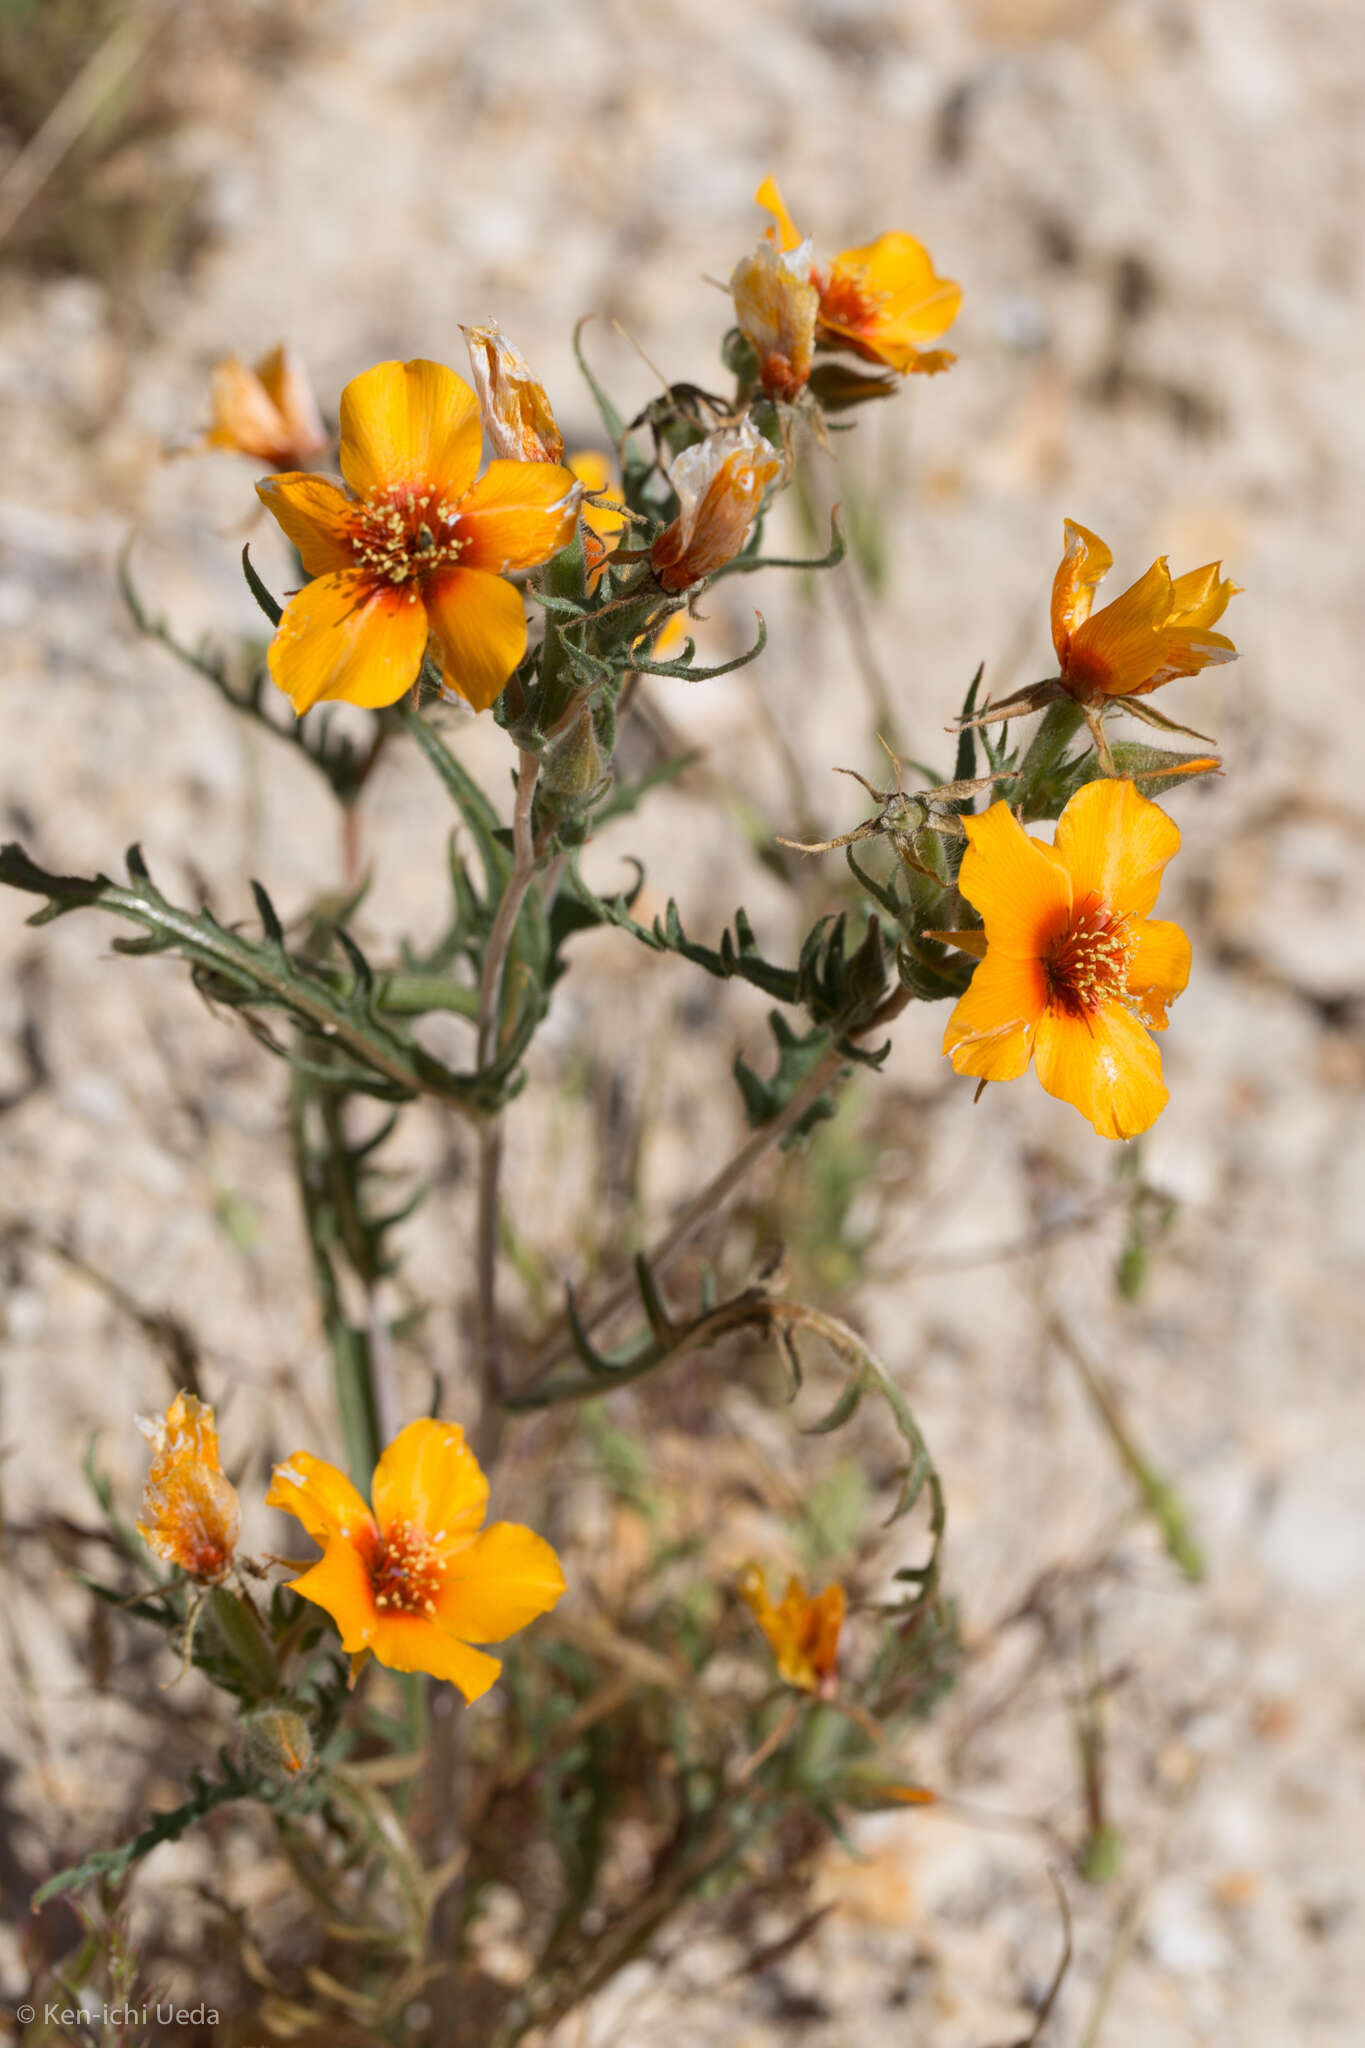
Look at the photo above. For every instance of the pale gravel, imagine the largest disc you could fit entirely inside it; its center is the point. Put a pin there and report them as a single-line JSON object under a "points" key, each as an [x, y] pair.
{"points": [[419, 165]]}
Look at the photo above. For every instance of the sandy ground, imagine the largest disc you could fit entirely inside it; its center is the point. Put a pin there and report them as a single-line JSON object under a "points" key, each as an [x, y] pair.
{"points": [[1153, 208]]}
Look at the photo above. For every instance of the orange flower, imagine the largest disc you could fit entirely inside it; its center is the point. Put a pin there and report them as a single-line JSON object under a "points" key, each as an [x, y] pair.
{"points": [[776, 305], [190, 1514], [803, 1630], [884, 301], [269, 412], [719, 484], [414, 1583], [517, 416], [1075, 971], [1158, 629], [415, 548]]}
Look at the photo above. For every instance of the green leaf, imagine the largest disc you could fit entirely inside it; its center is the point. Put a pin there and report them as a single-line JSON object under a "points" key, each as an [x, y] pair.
{"points": [[683, 665], [797, 1059], [337, 1010], [273, 610], [965, 767], [468, 798], [610, 417], [745, 563]]}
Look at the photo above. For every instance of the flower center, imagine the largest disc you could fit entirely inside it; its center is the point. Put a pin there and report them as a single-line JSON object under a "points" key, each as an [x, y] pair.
{"points": [[844, 303], [407, 1571], [405, 534], [1088, 965]]}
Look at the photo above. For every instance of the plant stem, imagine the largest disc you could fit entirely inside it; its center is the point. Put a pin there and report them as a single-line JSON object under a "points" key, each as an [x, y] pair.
{"points": [[1159, 1497], [724, 1184], [487, 1228]]}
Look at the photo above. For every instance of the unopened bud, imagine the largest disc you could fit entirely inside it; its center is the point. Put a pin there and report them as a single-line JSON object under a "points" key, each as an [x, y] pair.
{"points": [[278, 1738]]}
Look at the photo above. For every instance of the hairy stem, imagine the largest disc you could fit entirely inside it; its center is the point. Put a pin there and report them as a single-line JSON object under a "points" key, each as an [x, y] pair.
{"points": [[487, 1229]]}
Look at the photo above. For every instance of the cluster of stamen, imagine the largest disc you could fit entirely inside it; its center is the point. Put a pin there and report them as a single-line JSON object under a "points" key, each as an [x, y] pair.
{"points": [[1088, 965], [404, 535], [844, 302], [407, 1571]]}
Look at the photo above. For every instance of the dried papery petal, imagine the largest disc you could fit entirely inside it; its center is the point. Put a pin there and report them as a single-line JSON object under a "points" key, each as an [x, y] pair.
{"points": [[775, 307], [517, 416], [720, 484], [190, 1512]]}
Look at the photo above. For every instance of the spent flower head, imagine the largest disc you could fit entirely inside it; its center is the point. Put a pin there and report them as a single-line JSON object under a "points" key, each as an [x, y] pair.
{"points": [[414, 1583], [517, 416], [803, 1629], [776, 306], [190, 1513], [719, 484], [414, 549]]}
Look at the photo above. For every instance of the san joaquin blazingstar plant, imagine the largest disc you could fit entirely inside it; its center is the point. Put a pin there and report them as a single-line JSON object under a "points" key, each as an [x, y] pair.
{"points": [[642, 1738]]}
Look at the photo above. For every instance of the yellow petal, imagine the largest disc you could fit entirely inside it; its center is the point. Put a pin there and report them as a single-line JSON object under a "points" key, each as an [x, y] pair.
{"points": [[1104, 1064], [345, 636], [1085, 562], [1200, 597], [990, 1033], [1158, 969], [1115, 844], [505, 1578], [770, 199], [410, 1643], [288, 384], [1118, 650], [1184, 651], [518, 515], [410, 424], [322, 1498], [972, 942], [481, 629], [340, 1583], [316, 514], [245, 416], [1018, 885], [428, 1476], [905, 303]]}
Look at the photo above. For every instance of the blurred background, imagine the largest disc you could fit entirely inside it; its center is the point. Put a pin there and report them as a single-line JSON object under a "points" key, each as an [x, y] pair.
{"points": [[1153, 208]]}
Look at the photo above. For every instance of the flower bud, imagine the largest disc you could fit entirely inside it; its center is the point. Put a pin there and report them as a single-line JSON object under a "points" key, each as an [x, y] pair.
{"points": [[517, 417], [278, 1738], [719, 484]]}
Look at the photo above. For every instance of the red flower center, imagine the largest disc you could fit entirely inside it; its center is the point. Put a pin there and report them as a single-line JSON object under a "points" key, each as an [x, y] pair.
{"points": [[844, 303], [1087, 966], [399, 535], [407, 1571]]}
